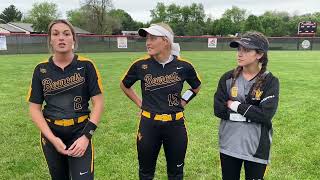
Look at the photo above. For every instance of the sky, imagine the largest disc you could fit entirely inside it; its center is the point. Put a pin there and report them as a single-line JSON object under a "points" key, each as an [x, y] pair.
{"points": [[140, 9]]}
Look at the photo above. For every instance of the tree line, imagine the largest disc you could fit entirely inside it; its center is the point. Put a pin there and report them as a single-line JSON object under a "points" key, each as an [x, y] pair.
{"points": [[100, 17]]}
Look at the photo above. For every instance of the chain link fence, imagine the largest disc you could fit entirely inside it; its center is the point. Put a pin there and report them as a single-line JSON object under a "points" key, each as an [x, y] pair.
{"points": [[34, 44]]}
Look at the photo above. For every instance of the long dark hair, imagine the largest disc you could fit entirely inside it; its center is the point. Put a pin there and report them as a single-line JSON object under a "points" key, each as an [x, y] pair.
{"points": [[263, 60]]}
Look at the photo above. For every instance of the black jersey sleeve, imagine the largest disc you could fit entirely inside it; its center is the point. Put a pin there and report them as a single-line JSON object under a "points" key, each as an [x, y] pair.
{"points": [[220, 100], [94, 80], [131, 76], [264, 112], [35, 94], [192, 78]]}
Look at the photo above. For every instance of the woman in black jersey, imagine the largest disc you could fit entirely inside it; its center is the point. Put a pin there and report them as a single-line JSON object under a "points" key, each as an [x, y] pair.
{"points": [[246, 101], [66, 82], [162, 74]]}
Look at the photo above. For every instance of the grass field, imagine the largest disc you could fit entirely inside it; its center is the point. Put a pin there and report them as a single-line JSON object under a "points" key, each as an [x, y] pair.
{"points": [[295, 150]]}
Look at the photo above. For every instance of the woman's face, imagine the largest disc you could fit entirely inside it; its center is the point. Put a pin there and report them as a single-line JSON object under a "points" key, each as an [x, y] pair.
{"points": [[246, 57], [156, 45], [61, 38]]}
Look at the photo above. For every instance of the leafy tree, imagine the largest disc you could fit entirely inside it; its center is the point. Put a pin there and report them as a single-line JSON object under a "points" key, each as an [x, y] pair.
{"points": [[184, 20], [126, 21], [78, 18], [10, 14], [253, 23], [273, 25], [159, 14], [223, 26], [237, 16], [96, 14], [41, 15]]}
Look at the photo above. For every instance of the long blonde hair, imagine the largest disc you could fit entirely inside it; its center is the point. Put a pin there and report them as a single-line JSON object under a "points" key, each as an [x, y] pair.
{"points": [[167, 27]]}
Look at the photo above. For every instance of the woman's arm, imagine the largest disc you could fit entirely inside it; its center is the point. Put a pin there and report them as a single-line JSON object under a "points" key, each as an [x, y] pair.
{"points": [[196, 91], [40, 122], [264, 112], [220, 100], [79, 147], [97, 109], [131, 94]]}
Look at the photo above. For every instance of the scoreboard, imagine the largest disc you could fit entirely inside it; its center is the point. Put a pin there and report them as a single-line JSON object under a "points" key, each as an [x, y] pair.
{"points": [[307, 28]]}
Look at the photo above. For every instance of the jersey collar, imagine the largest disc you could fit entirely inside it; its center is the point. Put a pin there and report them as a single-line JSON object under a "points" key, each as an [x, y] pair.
{"points": [[170, 59], [72, 64]]}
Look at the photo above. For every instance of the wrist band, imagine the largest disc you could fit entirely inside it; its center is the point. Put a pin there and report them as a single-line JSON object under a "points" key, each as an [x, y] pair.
{"points": [[89, 129], [234, 106], [188, 95]]}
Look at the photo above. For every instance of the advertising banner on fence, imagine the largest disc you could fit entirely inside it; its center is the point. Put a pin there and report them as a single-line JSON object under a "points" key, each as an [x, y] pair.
{"points": [[305, 44], [122, 42], [3, 43], [212, 42]]}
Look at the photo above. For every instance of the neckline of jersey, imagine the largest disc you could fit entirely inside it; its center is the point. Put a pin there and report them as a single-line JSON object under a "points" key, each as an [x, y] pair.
{"points": [[72, 64], [172, 57]]}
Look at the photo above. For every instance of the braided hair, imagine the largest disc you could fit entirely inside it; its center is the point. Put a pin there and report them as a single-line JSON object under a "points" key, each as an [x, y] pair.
{"points": [[263, 61]]}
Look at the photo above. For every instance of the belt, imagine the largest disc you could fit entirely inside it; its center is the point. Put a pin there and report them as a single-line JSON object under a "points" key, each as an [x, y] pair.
{"points": [[162, 117], [68, 122]]}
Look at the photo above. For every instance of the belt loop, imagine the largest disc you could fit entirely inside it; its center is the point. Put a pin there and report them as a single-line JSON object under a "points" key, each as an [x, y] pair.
{"points": [[75, 120], [173, 116], [152, 115]]}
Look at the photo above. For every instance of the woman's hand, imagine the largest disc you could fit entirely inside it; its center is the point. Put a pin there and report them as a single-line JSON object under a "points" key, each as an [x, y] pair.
{"points": [[183, 103], [59, 145], [79, 147], [229, 102]]}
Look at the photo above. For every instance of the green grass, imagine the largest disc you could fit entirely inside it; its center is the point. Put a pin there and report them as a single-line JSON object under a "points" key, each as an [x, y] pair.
{"points": [[295, 150]]}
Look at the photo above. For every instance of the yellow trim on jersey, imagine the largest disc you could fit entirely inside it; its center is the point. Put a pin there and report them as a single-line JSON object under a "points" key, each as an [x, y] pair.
{"points": [[80, 58], [92, 156], [185, 125], [30, 87], [29, 93], [266, 171], [43, 155], [145, 57], [137, 128], [182, 59]]}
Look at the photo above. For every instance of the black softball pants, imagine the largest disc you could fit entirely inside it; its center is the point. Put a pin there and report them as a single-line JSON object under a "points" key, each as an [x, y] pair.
{"points": [[231, 168], [63, 167], [151, 136]]}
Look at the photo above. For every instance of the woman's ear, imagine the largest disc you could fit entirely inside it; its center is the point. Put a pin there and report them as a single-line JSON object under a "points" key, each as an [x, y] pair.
{"points": [[259, 55]]}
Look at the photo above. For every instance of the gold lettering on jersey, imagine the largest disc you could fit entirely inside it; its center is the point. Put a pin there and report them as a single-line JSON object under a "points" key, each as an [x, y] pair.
{"points": [[71, 81], [258, 94], [43, 71], [161, 80], [144, 66], [234, 91], [139, 136]]}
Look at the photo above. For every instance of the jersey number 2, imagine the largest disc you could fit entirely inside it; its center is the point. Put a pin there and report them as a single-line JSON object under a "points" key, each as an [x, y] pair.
{"points": [[77, 103]]}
